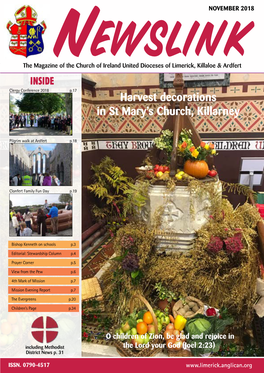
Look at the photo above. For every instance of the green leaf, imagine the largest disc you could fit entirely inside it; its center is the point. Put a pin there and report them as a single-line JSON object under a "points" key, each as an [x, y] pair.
{"points": [[134, 274], [141, 314], [121, 257], [118, 258], [132, 323]]}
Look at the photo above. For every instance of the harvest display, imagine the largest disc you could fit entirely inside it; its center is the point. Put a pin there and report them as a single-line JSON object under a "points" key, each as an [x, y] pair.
{"points": [[197, 282]]}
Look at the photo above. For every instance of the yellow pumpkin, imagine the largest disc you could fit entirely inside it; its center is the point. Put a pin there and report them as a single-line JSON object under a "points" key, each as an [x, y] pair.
{"points": [[198, 169]]}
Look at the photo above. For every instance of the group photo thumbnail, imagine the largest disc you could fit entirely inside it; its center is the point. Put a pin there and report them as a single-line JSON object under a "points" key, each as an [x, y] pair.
{"points": [[40, 114], [40, 215], [40, 165]]}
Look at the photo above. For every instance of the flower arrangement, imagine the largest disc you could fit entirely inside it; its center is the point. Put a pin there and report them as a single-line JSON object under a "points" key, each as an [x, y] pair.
{"points": [[188, 151], [165, 142], [231, 244], [215, 244]]}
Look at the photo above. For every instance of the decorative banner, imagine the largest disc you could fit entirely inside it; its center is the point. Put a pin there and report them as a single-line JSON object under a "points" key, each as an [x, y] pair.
{"points": [[145, 145]]}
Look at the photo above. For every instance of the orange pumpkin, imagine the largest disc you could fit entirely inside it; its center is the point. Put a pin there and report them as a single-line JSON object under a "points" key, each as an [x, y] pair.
{"points": [[198, 169]]}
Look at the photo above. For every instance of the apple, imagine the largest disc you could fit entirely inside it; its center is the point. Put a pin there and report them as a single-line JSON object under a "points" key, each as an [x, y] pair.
{"points": [[139, 320], [121, 335], [147, 338], [161, 168], [156, 168], [137, 340], [157, 312], [133, 331], [167, 320], [166, 168], [141, 339], [125, 327], [151, 329]]}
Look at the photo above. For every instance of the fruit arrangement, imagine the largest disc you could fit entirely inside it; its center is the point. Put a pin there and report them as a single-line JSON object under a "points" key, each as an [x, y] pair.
{"points": [[188, 307], [159, 171], [174, 334], [139, 328], [197, 169]]}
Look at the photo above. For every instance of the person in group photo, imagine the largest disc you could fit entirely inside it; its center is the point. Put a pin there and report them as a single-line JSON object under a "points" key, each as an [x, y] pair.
{"points": [[47, 180], [27, 218], [19, 218], [12, 213], [24, 230], [56, 180], [15, 180], [27, 180], [41, 222], [53, 213], [41, 179], [60, 123], [46, 207], [32, 117], [15, 223]]}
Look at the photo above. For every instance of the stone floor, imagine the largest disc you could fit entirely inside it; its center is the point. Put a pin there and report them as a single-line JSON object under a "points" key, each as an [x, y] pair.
{"points": [[36, 131]]}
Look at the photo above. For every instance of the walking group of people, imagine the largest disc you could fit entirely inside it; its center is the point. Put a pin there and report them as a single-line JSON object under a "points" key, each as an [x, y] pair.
{"points": [[59, 123], [38, 180], [23, 223]]}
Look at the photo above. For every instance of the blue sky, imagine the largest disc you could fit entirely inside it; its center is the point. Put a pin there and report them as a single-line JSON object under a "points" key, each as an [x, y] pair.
{"points": [[47, 147], [33, 199]]}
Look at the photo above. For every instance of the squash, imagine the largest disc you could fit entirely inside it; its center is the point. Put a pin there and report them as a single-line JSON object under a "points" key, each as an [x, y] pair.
{"points": [[198, 169]]}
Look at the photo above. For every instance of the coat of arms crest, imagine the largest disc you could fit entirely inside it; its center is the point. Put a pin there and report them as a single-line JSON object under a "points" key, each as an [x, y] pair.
{"points": [[26, 38]]}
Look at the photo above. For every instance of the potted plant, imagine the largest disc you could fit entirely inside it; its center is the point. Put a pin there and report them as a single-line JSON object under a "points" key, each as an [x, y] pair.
{"points": [[195, 159], [166, 297]]}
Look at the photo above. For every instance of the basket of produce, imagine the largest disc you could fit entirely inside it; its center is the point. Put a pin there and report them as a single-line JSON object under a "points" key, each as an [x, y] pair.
{"points": [[138, 336], [143, 169], [188, 307]]}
